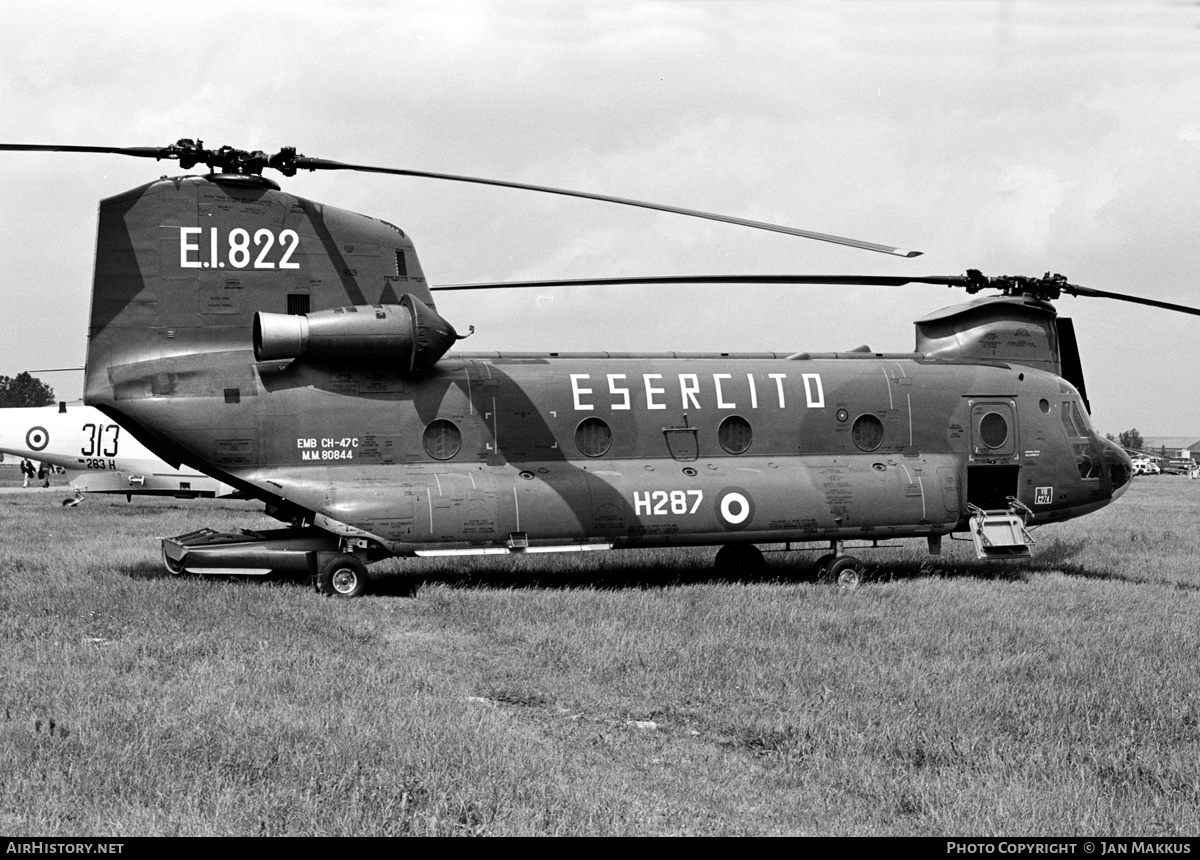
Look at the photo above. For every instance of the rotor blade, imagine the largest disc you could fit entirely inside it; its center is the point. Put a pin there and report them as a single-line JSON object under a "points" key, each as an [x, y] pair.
{"points": [[1076, 290], [846, 280], [136, 151], [189, 153], [304, 163], [972, 281]]}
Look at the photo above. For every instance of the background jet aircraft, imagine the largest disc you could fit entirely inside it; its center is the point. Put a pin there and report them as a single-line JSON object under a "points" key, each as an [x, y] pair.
{"points": [[82, 439]]}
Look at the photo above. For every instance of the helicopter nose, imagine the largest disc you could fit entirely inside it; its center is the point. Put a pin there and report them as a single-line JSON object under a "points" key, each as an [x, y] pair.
{"points": [[1119, 466]]}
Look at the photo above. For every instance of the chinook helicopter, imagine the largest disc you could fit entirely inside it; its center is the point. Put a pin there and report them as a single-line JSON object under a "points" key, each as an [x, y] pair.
{"points": [[294, 351]]}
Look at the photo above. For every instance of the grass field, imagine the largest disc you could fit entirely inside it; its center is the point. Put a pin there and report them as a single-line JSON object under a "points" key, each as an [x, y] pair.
{"points": [[609, 694]]}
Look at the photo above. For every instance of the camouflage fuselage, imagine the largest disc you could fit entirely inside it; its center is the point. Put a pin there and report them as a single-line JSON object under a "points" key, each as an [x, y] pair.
{"points": [[640, 451], [546, 450]]}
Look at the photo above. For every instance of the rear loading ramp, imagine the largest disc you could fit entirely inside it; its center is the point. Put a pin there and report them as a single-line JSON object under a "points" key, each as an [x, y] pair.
{"points": [[294, 551]]}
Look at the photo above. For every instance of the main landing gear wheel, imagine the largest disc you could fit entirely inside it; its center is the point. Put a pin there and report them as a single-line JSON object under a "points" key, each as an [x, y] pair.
{"points": [[821, 566], [846, 571], [739, 559], [342, 576]]}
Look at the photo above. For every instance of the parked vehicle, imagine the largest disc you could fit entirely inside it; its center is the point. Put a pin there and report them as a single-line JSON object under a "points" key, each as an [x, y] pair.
{"points": [[1179, 466], [1145, 466]]}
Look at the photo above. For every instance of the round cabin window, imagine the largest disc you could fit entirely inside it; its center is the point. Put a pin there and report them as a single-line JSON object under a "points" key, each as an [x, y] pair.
{"points": [[735, 434], [867, 432], [593, 437], [442, 439], [993, 430]]}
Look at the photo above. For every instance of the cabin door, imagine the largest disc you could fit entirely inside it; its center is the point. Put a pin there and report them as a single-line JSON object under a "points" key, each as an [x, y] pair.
{"points": [[993, 467]]}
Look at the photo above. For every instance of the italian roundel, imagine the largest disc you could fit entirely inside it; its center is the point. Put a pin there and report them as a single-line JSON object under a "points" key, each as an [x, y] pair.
{"points": [[735, 508], [37, 438]]}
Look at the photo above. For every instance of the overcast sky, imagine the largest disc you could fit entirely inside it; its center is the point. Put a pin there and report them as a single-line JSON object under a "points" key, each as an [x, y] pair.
{"points": [[1013, 137]]}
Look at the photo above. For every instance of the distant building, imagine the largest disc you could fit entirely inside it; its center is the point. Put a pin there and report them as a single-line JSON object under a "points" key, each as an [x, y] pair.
{"points": [[1174, 455], [1172, 447]]}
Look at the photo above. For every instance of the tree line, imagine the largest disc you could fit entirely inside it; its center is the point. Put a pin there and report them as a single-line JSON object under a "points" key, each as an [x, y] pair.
{"points": [[24, 390]]}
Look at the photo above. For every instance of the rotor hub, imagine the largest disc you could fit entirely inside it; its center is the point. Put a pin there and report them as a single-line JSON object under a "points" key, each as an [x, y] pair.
{"points": [[1046, 288]]}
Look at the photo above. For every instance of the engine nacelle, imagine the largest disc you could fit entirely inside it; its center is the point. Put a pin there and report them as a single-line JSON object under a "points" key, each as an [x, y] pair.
{"points": [[410, 336]]}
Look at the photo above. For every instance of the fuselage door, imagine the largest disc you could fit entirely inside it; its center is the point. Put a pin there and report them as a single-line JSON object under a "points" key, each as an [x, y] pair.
{"points": [[682, 442], [993, 469]]}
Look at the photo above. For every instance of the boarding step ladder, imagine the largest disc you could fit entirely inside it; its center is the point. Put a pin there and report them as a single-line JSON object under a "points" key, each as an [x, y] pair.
{"points": [[1002, 534]]}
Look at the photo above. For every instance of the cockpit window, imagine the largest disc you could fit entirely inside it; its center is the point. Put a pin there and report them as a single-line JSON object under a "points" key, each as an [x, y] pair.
{"points": [[1074, 420], [1087, 458]]}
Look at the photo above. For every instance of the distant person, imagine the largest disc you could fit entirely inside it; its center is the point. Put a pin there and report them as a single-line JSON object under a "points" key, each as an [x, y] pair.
{"points": [[26, 472], [43, 474]]}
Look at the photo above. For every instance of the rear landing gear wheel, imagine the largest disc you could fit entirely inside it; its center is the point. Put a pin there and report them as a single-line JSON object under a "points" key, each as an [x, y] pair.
{"points": [[846, 571], [739, 559], [342, 576]]}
